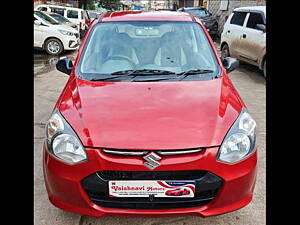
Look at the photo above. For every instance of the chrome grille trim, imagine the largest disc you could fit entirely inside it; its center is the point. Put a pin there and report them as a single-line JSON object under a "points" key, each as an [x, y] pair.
{"points": [[128, 153], [179, 152], [159, 152]]}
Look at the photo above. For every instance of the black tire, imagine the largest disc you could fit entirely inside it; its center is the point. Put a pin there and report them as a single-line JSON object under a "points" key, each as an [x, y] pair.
{"points": [[53, 46], [225, 52]]}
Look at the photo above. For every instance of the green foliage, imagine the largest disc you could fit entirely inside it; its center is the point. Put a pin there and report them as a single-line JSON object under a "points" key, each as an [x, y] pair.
{"points": [[110, 4]]}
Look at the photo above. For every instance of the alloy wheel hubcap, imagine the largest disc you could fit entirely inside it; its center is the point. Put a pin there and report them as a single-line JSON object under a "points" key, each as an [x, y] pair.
{"points": [[53, 47]]}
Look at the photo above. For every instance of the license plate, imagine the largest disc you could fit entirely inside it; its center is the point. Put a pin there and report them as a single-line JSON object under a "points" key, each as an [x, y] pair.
{"points": [[151, 188]]}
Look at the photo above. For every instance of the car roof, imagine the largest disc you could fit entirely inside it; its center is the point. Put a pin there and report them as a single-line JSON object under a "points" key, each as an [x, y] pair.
{"points": [[146, 16], [251, 8], [59, 6]]}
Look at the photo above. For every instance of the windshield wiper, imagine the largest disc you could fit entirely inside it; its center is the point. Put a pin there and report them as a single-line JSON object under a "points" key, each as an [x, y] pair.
{"points": [[191, 72], [142, 72], [134, 73]]}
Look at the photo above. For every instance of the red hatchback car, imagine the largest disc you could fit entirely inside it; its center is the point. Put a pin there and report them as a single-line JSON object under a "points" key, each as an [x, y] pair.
{"points": [[149, 102]]}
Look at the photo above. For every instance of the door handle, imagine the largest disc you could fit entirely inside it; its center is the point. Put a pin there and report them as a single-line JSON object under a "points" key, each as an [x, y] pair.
{"points": [[244, 36], [228, 31]]}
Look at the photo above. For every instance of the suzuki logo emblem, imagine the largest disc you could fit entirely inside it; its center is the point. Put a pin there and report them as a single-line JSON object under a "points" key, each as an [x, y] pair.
{"points": [[152, 159]]}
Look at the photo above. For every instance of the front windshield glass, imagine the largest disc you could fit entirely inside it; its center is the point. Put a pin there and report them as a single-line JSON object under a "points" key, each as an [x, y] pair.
{"points": [[175, 47], [198, 12], [46, 19]]}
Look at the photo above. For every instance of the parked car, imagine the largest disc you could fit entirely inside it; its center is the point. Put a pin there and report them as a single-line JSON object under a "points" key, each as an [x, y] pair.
{"points": [[75, 15], [244, 36], [178, 192], [53, 37], [206, 17], [149, 99], [60, 19]]}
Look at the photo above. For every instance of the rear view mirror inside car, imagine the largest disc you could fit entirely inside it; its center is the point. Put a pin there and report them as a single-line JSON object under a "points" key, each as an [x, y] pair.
{"points": [[147, 31]]}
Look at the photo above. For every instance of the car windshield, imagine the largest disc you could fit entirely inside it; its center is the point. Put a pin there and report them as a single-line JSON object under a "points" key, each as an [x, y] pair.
{"points": [[46, 19], [164, 50], [198, 12], [59, 18]]}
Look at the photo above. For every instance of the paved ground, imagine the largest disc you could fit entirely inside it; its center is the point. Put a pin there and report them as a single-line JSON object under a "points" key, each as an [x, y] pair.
{"points": [[249, 82]]}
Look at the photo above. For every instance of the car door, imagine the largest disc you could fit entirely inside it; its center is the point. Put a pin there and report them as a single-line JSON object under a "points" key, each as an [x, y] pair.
{"points": [[234, 30], [38, 34], [253, 40], [73, 16]]}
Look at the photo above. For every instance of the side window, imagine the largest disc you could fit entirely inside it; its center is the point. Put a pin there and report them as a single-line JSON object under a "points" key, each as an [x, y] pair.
{"points": [[58, 11], [42, 9], [73, 14], [254, 19], [238, 18]]}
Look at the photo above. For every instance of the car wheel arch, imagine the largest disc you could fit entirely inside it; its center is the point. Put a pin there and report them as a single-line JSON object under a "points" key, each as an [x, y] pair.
{"points": [[223, 43], [51, 37]]}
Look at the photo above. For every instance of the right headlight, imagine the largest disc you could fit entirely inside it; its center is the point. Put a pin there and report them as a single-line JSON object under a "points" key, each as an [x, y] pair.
{"points": [[65, 32], [239, 142], [62, 141]]}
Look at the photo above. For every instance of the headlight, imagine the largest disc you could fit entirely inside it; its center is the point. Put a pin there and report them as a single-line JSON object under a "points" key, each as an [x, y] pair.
{"points": [[62, 141], [65, 32], [239, 143]]}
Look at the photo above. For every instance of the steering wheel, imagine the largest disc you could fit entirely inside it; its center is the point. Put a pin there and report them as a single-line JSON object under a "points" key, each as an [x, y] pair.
{"points": [[116, 57]]}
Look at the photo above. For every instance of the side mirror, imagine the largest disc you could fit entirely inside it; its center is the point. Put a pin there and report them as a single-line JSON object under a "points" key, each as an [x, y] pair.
{"points": [[64, 65], [230, 64], [261, 27], [37, 22]]}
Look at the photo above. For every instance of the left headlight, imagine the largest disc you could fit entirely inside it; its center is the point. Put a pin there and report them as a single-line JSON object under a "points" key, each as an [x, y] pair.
{"points": [[239, 142], [62, 141], [65, 32]]}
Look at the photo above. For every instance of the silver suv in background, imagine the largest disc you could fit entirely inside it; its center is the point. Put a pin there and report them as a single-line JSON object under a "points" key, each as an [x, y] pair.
{"points": [[244, 36]]}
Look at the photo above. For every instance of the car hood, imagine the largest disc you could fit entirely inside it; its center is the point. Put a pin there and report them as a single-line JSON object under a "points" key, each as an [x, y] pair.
{"points": [[150, 115]]}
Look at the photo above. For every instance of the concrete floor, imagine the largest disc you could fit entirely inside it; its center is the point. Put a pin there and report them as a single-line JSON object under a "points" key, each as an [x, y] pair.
{"points": [[250, 84]]}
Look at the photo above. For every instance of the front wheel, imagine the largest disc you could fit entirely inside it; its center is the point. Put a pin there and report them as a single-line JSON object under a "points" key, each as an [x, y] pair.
{"points": [[224, 52], [53, 46]]}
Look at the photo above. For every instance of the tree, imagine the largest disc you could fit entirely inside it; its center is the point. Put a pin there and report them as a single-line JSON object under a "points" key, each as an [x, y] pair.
{"points": [[110, 4], [91, 5]]}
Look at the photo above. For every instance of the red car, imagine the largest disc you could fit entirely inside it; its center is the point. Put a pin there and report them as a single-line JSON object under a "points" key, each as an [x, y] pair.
{"points": [[178, 192], [148, 99]]}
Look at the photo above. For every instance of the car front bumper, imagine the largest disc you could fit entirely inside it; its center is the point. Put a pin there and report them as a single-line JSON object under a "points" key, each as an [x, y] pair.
{"points": [[66, 189], [71, 43]]}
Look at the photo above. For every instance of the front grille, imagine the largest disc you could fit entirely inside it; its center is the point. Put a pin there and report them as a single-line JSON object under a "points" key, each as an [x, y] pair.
{"points": [[125, 152], [151, 175], [207, 186]]}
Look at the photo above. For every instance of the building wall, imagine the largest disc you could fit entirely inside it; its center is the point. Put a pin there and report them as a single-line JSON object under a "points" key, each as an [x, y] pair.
{"points": [[221, 15], [190, 3]]}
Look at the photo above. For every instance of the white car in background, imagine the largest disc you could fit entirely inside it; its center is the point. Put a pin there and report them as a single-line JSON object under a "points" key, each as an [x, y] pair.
{"points": [[75, 15], [60, 19], [244, 36], [53, 37]]}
